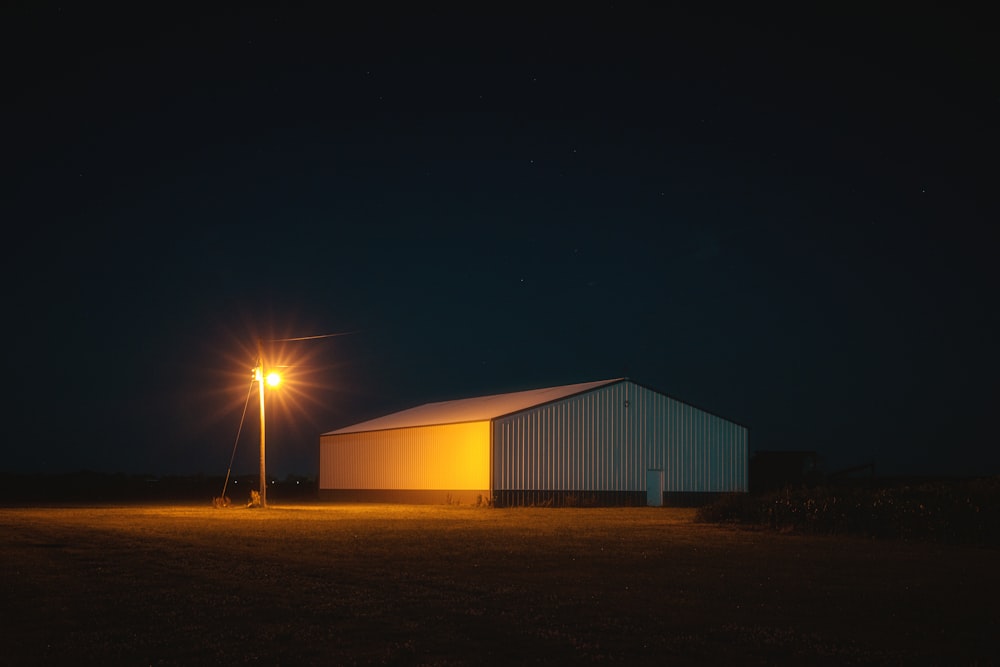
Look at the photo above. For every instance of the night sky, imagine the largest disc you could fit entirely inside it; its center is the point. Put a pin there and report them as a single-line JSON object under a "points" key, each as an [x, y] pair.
{"points": [[784, 219]]}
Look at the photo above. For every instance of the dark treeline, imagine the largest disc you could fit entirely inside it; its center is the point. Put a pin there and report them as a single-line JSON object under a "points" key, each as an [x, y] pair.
{"points": [[950, 511], [89, 486]]}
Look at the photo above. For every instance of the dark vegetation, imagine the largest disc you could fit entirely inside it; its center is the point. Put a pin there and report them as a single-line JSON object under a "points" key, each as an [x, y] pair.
{"points": [[951, 511], [96, 487]]}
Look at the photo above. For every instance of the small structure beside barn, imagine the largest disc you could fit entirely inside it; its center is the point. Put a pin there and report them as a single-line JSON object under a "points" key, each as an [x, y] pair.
{"points": [[611, 442]]}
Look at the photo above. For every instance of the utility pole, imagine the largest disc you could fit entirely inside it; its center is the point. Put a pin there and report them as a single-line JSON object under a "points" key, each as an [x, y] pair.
{"points": [[261, 376], [260, 385]]}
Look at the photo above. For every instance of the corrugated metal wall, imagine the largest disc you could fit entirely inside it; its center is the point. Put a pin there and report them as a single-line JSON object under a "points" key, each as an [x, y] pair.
{"points": [[452, 456], [607, 438]]}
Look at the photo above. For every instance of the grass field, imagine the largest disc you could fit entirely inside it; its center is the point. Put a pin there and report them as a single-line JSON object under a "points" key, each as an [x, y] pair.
{"points": [[445, 585]]}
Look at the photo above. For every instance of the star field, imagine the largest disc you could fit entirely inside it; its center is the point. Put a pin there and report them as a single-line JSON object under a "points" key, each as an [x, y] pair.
{"points": [[785, 219]]}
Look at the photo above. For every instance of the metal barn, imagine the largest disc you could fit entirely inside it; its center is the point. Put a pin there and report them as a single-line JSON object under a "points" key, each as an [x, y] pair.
{"points": [[612, 442]]}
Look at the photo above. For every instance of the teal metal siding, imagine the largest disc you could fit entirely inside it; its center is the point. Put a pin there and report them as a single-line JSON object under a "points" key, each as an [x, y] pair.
{"points": [[607, 438]]}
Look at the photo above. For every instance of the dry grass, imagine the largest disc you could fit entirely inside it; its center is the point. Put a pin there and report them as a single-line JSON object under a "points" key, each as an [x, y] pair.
{"points": [[339, 585]]}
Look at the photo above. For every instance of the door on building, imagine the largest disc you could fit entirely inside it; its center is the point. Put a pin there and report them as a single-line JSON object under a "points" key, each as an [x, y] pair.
{"points": [[654, 488]]}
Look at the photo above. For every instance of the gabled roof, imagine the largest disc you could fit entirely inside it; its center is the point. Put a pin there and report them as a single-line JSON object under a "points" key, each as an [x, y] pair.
{"points": [[482, 408]]}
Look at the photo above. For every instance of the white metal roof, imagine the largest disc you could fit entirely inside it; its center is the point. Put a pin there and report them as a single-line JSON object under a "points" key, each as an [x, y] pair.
{"points": [[481, 408]]}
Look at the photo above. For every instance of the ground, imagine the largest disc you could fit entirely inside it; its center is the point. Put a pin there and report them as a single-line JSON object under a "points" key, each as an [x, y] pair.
{"points": [[445, 585]]}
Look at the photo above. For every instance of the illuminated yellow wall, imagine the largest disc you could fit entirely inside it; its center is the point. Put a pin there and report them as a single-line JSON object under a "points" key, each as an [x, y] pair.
{"points": [[452, 456]]}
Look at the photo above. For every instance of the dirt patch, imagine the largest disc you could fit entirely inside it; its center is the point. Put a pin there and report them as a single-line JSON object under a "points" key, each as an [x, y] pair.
{"points": [[371, 584]]}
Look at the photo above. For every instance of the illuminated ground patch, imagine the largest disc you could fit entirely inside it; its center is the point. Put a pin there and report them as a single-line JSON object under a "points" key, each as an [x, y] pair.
{"points": [[365, 584]]}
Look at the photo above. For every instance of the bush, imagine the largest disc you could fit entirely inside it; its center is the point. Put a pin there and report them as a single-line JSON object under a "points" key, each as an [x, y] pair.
{"points": [[952, 512]]}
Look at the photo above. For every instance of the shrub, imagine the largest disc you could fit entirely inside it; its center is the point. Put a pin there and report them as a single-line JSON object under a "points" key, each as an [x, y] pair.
{"points": [[953, 512]]}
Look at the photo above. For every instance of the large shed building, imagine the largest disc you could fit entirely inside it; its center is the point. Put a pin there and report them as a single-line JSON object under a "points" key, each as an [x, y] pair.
{"points": [[612, 442]]}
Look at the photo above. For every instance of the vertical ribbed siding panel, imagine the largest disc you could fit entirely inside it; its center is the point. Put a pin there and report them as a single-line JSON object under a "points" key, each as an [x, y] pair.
{"points": [[592, 442], [614, 418], [573, 470], [614, 440], [715, 454], [684, 464], [514, 451], [580, 443], [701, 449], [696, 450], [676, 437]]}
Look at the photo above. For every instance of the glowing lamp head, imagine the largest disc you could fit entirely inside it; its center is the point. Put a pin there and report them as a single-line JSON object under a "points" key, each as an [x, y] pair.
{"points": [[273, 379]]}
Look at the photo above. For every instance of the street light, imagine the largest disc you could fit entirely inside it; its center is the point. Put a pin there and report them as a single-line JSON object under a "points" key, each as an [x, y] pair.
{"points": [[261, 376], [272, 379]]}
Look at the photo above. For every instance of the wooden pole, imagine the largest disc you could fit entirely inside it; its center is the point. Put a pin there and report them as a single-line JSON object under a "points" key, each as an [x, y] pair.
{"points": [[260, 383]]}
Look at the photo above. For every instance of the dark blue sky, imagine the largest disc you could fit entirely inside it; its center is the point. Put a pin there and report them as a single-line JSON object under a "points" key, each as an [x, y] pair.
{"points": [[784, 219]]}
